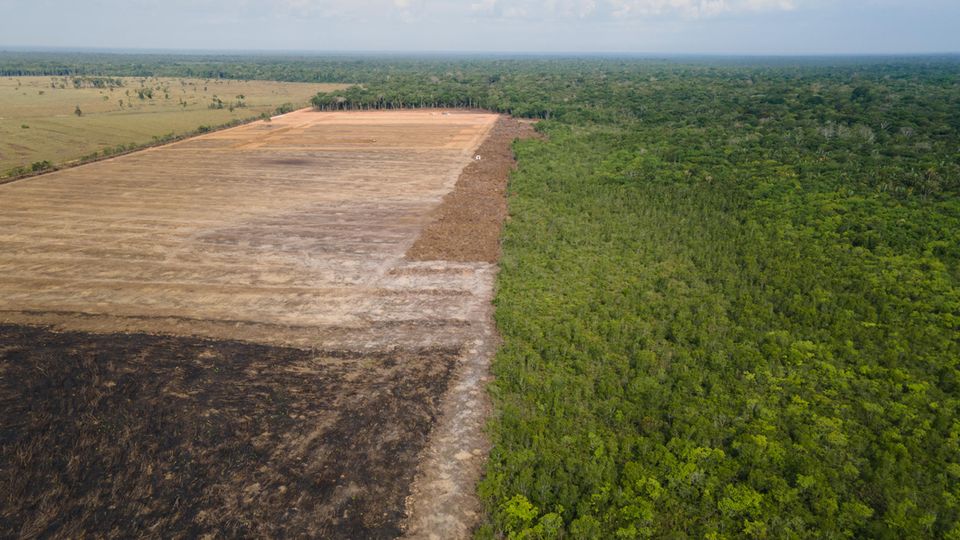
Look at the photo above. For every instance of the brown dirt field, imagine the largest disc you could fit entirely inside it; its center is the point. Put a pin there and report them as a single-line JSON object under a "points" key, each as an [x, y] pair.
{"points": [[467, 224], [289, 233], [223, 336]]}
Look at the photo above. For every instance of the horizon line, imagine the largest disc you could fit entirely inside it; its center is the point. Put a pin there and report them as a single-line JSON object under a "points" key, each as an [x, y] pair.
{"points": [[447, 52]]}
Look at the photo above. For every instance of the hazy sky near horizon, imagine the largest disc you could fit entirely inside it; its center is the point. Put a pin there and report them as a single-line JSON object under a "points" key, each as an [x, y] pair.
{"points": [[638, 26]]}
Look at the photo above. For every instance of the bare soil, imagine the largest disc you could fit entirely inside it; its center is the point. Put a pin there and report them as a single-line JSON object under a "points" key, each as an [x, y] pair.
{"points": [[288, 233], [467, 225]]}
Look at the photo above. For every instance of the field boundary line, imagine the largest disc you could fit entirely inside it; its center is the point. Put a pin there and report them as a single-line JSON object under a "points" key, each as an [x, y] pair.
{"points": [[195, 134]]}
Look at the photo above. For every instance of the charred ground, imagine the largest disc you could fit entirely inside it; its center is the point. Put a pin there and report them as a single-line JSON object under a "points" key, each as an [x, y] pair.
{"points": [[127, 435]]}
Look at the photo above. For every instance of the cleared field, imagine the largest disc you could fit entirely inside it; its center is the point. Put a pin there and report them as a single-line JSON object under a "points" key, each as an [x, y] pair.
{"points": [[290, 232], [38, 120], [228, 327]]}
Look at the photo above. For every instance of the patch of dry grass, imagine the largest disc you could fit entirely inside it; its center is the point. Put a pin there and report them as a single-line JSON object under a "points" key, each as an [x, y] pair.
{"points": [[39, 120]]}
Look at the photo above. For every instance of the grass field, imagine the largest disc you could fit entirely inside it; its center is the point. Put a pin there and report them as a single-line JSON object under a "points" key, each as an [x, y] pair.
{"points": [[39, 120]]}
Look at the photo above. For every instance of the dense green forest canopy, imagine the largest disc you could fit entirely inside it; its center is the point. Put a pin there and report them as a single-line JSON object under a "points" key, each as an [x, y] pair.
{"points": [[729, 293]]}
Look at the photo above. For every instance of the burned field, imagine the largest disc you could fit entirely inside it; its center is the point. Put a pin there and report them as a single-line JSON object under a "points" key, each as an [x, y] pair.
{"points": [[130, 435], [226, 336]]}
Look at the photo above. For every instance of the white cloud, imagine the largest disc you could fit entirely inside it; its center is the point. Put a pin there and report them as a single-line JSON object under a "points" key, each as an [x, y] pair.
{"points": [[484, 6], [405, 10], [619, 9], [693, 8], [568, 8]]}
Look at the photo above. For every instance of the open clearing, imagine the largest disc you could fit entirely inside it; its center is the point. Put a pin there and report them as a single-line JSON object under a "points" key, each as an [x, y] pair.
{"points": [[225, 335], [38, 120]]}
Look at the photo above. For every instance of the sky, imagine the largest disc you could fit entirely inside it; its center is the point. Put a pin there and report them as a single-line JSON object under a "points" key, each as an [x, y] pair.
{"points": [[752, 27]]}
